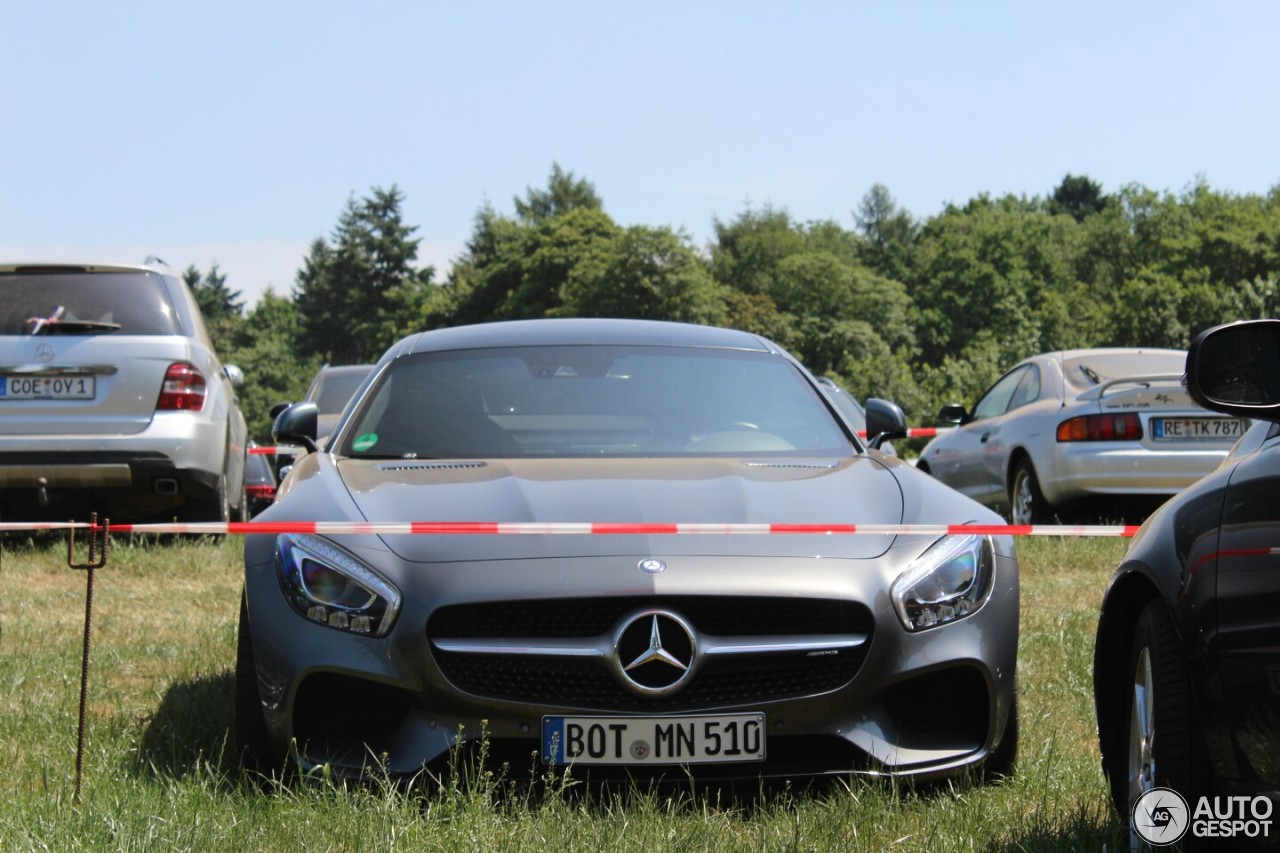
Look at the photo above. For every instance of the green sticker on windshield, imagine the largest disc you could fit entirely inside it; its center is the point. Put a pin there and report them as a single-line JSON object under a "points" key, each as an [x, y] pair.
{"points": [[364, 442]]}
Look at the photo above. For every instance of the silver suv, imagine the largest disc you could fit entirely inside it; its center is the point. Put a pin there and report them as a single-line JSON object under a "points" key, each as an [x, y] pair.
{"points": [[112, 399]]}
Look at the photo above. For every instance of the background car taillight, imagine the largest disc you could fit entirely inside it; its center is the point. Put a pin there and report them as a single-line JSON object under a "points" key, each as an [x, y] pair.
{"points": [[1126, 427], [260, 491], [183, 389]]}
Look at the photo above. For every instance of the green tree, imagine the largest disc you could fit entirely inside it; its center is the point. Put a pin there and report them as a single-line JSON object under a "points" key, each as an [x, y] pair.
{"points": [[889, 233], [515, 267], [644, 273], [988, 270], [221, 306], [1078, 197], [563, 194], [360, 292], [747, 251]]}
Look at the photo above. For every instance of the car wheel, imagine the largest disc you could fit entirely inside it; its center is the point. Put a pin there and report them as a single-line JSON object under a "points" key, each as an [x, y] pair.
{"points": [[1162, 748], [240, 511], [210, 507], [253, 747], [1026, 501]]}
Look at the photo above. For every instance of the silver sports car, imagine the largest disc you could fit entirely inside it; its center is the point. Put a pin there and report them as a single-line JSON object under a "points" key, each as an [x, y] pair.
{"points": [[649, 570], [1079, 424]]}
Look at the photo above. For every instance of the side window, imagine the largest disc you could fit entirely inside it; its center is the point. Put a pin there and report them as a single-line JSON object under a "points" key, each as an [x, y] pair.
{"points": [[996, 400], [1028, 390]]}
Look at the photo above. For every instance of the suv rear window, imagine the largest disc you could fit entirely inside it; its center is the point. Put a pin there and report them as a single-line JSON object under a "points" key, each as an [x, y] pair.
{"points": [[81, 303]]}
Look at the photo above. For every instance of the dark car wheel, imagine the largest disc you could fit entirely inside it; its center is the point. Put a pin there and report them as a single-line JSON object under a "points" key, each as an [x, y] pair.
{"points": [[240, 510], [1162, 747], [1026, 501], [253, 747], [212, 506]]}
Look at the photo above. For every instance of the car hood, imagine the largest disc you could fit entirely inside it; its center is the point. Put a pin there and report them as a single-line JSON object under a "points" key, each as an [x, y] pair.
{"points": [[855, 490]]}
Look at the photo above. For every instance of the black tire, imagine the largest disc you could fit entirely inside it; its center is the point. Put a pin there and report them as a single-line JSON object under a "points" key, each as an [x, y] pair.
{"points": [[1160, 742], [252, 745], [1001, 762], [215, 506], [1026, 502], [240, 511]]}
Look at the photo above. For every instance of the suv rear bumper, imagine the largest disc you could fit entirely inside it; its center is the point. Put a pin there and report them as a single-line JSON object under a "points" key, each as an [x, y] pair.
{"points": [[116, 485]]}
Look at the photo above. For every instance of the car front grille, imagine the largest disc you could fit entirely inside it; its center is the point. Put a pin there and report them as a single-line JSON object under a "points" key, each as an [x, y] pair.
{"points": [[595, 683]]}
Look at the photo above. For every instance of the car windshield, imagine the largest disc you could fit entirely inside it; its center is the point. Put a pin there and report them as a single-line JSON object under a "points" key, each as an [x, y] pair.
{"points": [[585, 401], [1089, 370], [77, 303], [336, 389]]}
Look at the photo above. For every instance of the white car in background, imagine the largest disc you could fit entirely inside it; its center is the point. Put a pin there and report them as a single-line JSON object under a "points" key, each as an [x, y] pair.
{"points": [[1067, 426], [112, 399]]}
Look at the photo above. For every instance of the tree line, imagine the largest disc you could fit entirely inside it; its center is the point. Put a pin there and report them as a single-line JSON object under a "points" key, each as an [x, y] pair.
{"points": [[920, 311]]}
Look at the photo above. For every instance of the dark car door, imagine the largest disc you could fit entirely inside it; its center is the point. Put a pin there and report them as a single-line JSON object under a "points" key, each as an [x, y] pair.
{"points": [[1244, 649]]}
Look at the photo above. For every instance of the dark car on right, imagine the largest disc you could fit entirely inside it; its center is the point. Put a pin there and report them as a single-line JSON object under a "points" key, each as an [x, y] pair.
{"points": [[1187, 661]]}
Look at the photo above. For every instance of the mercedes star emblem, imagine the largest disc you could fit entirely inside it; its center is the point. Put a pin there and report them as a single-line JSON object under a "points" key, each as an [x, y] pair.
{"points": [[656, 651]]}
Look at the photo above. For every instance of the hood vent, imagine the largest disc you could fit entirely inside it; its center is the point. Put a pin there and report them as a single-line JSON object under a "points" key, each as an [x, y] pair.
{"points": [[410, 465], [823, 465]]}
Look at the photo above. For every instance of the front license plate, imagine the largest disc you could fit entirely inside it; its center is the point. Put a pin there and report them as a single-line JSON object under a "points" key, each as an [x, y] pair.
{"points": [[47, 387], [1182, 429], [653, 740]]}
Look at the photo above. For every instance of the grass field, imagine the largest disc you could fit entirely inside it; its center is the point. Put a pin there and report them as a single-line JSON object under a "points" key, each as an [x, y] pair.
{"points": [[157, 774]]}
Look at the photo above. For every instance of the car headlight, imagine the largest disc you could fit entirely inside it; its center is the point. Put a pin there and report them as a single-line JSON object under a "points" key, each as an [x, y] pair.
{"points": [[329, 586], [947, 582]]}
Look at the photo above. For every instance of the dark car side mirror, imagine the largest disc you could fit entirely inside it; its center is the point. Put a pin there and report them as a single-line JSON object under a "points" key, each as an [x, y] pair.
{"points": [[885, 421], [297, 424], [953, 414], [1235, 369]]}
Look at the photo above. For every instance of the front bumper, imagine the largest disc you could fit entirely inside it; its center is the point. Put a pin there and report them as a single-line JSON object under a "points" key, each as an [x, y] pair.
{"points": [[922, 705]]}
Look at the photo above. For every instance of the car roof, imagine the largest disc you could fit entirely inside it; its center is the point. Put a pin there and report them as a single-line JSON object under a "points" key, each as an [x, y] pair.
{"points": [[53, 266], [1070, 354], [584, 331], [340, 369]]}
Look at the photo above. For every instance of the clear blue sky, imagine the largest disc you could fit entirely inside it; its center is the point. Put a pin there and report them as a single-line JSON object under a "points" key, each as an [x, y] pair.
{"points": [[235, 132]]}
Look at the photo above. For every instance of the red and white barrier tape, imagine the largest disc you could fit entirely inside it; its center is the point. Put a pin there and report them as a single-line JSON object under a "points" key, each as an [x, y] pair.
{"points": [[504, 528], [917, 432]]}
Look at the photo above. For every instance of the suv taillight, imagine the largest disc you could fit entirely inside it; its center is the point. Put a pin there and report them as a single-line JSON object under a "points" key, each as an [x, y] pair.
{"points": [[1124, 427], [183, 389]]}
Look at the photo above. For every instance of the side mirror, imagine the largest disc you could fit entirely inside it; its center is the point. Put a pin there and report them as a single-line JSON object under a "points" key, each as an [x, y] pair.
{"points": [[885, 421], [296, 424], [234, 375], [953, 414], [278, 408], [1235, 369]]}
